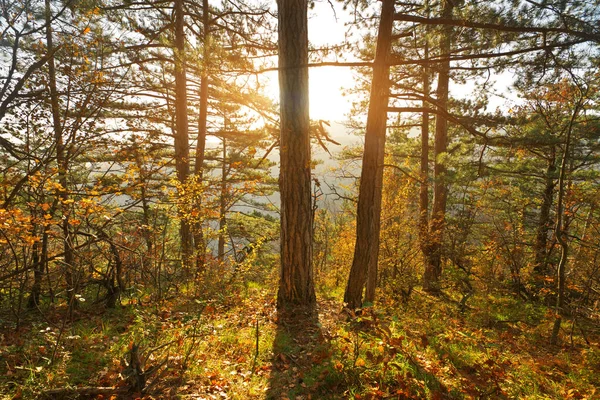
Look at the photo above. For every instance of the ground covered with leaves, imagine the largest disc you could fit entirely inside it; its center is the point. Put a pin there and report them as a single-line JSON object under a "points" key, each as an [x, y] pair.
{"points": [[237, 346]]}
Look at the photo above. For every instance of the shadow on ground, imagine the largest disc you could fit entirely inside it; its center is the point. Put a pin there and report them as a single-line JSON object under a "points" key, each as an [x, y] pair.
{"points": [[301, 365]]}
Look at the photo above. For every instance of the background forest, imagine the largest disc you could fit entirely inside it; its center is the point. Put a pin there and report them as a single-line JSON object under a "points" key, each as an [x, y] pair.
{"points": [[165, 233]]}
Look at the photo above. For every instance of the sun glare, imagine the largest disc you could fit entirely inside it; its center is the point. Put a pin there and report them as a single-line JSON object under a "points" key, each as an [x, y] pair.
{"points": [[326, 98], [326, 85], [325, 29]]}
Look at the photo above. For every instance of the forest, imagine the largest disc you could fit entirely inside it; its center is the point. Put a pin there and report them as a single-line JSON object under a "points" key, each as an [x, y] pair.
{"points": [[183, 214]]}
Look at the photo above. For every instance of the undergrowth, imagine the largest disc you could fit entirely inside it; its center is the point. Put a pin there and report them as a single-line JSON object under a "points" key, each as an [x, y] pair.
{"points": [[235, 346]]}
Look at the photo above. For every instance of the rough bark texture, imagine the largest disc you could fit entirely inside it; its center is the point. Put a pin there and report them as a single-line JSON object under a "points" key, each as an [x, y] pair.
{"points": [[182, 149], [433, 256], [366, 251], [296, 279]]}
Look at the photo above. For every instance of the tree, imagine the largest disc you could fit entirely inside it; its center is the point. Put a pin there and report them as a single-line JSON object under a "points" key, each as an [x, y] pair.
{"points": [[296, 276], [433, 251], [181, 135], [364, 264]]}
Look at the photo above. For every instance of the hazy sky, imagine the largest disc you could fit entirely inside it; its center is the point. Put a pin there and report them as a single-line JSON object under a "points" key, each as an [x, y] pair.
{"points": [[326, 100]]}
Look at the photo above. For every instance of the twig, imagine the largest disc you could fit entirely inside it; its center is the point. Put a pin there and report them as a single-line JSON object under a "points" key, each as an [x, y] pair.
{"points": [[256, 351], [81, 391]]}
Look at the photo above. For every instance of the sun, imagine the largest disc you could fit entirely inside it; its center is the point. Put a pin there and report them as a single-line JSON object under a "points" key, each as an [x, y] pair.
{"points": [[326, 85], [326, 98]]}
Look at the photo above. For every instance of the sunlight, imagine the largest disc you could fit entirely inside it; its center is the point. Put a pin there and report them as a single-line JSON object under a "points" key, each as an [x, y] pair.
{"points": [[326, 85], [326, 99]]}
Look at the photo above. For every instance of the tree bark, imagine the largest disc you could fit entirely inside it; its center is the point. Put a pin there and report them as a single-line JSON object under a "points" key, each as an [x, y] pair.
{"points": [[181, 137], [366, 251], [202, 130], [541, 239], [296, 285], [424, 184], [433, 256], [223, 205], [561, 231]]}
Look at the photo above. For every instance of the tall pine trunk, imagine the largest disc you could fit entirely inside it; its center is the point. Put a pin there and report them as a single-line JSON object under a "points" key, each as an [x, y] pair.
{"points": [[296, 276], [182, 149], [433, 256], [366, 251], [424, 167], [201, 139]]}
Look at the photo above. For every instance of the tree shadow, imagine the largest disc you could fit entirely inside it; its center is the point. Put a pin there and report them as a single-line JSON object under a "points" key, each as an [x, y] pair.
{"points": [[301, 365]]}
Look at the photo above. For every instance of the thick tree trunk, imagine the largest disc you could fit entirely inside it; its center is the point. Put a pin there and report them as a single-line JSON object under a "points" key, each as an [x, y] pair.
{"points": [[62, 162], [433, 256], [296, 279], [541, 239], [181, 137], [366, 251]]}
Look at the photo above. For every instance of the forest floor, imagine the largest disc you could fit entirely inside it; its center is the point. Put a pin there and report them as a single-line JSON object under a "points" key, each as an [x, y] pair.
{"points": [[237, 347]]}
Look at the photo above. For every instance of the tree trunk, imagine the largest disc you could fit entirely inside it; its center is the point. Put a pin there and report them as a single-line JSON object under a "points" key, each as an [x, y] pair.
{"points": [[296, 278], [40, 265], [34, 295], [114, 291], [424, 184], [223, 205], [62, 162], [433, 256], [181, 137], [541, 239], [366, 251], [201, 139], [560, 231]]}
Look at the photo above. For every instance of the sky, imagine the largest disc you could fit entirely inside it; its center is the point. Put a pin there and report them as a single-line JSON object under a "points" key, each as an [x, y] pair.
{"points": [[325, 83]]}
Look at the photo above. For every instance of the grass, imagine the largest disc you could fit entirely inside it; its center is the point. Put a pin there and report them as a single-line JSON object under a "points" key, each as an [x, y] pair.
{"points": [[426, 348]]}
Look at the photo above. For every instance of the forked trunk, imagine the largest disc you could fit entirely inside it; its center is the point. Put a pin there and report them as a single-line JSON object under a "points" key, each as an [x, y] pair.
{"points": [[366, 250]]}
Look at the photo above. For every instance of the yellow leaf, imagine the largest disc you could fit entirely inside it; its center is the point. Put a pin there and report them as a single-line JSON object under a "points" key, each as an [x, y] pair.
{"points": [[359, 363], [86, 30]]}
